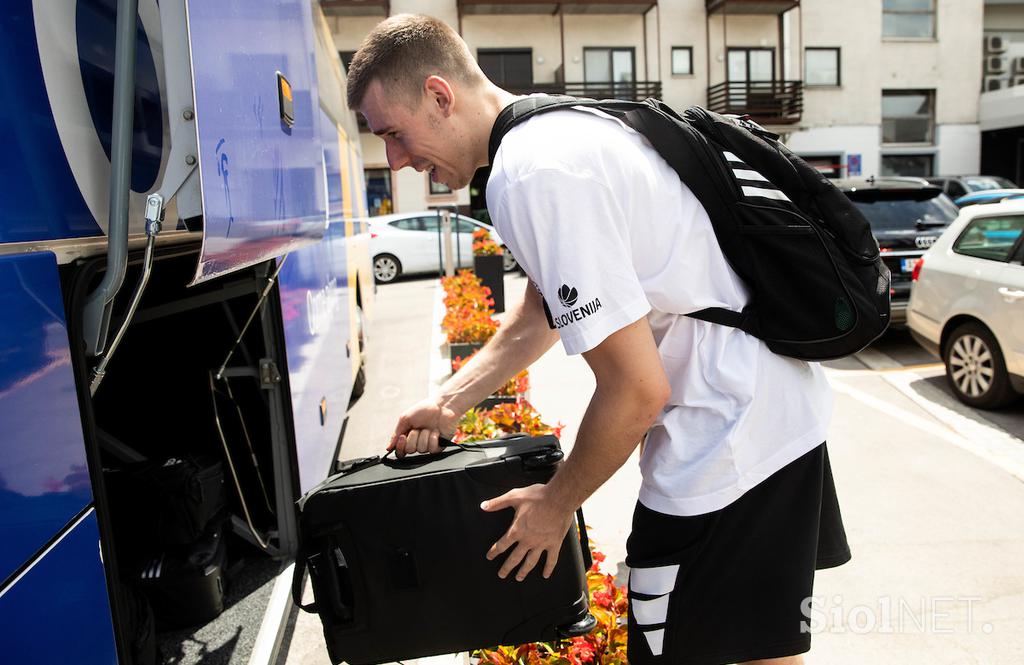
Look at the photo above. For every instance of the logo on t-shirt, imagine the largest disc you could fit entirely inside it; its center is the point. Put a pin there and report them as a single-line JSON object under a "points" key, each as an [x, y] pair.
{"points": [[567, 296]]}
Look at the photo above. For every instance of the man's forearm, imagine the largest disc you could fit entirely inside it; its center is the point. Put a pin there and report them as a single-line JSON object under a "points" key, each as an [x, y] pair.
{"points": [[523, 338], [613, 426]]}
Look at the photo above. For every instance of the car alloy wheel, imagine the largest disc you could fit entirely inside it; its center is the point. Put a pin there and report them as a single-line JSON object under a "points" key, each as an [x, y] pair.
{"points": [[386, 268], [975, 368], [508, 262]]}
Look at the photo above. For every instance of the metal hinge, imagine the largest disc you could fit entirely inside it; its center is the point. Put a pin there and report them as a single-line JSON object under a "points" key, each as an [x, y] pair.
{"points": [[269, 375]]}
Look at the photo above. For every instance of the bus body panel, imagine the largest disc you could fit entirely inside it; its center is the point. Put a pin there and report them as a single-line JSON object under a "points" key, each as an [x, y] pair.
{"points": [[262, 178], [44, 479], [315, 291], [58, 611]]}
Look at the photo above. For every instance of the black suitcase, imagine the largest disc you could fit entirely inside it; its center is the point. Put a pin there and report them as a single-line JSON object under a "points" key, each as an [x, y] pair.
{"points": [[396, 554], [185, 584]]}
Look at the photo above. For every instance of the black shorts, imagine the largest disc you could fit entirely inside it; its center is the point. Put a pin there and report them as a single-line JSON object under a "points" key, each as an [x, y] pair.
{"points": [[727, 586]]}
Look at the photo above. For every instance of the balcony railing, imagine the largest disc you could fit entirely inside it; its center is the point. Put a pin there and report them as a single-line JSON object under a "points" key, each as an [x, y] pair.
{"points": [[550, 7], [356, 7], [749, 6], [767, 102], [636, 91], [633, 91]]}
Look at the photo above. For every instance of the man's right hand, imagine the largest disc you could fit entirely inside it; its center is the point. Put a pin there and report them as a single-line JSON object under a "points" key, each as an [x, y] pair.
{"points": [[420, 427]]}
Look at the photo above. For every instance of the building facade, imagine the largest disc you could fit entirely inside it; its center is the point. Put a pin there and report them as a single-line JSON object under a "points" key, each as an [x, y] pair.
{"points": [[883, 87], [1001, 114]]}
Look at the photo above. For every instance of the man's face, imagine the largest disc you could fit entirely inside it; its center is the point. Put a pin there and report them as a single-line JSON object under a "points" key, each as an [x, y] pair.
{"points": [[424, 137]]}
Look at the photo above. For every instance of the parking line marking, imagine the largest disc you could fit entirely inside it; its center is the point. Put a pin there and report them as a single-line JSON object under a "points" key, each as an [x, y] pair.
{"points": [[987, 442]]}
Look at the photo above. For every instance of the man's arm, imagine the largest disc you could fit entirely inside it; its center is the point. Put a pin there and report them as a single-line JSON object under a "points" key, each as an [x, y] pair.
{"points": [[523, 337], [631, 391]]}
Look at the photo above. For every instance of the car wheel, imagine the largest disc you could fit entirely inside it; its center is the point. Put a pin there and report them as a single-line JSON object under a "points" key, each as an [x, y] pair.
{"points": [[508, 262], [386, 268], [975, 368]]}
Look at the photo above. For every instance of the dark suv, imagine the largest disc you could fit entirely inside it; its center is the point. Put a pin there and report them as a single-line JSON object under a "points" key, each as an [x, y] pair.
{"points": [[906, 216]]}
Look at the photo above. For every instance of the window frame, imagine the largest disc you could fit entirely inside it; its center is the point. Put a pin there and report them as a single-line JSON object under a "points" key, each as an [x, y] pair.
{"points": [[1013, 251], [929, 93], [611, 67], [672, 60], [839, 66], [438, 190], [933, 13], [930, 154]]}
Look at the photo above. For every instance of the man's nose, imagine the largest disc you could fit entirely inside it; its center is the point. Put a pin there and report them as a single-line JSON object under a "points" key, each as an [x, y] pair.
{"points": [[397, 158]]}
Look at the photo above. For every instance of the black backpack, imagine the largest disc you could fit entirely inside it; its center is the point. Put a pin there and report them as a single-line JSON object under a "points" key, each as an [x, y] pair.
{"points": [[819, 289]]}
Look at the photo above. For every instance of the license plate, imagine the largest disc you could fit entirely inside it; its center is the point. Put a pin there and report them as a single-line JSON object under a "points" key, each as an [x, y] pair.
{"points": [[907, 265]]}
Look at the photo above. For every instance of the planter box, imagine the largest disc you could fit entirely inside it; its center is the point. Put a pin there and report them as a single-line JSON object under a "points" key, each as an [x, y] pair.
{"points": [[462, 350], [491, 271], [495, 400]]}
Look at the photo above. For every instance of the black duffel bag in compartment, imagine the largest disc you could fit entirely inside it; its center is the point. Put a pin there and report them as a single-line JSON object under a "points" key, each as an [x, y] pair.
{"points": [[396, 554], [169, 502]]}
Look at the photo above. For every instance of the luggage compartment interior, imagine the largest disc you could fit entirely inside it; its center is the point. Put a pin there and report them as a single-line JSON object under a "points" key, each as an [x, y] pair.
{"points": [[182, 534]]}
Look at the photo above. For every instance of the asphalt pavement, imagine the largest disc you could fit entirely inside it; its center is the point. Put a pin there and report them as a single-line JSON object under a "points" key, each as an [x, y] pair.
{"points": [[932, 493]]}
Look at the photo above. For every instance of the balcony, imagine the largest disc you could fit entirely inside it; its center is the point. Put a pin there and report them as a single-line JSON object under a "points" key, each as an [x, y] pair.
{"points": [[767, 102], [777, 7], [467, 7], [635, 91], [356, 7]]}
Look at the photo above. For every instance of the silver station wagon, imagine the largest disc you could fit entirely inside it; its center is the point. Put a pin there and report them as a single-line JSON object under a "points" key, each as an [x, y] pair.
{"points": [[967, 303]]}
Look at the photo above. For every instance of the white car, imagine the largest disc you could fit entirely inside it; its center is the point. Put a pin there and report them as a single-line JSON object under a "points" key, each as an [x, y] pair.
{"points": [[967, 303], [409, 243]]}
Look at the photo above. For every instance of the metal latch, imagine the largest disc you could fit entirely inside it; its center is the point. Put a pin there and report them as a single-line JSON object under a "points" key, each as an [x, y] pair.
{"points": [[269, 375]]}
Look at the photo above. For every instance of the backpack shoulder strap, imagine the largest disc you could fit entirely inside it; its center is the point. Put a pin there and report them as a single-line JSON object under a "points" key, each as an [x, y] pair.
{"points": [[525, 108]]}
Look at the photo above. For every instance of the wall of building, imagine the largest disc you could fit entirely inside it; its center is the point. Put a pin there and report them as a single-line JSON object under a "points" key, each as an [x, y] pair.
{"points": [[540, 33], [840, 120]]}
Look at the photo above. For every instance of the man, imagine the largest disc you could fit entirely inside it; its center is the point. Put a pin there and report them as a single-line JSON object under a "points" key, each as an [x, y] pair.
{"points": [[737, 506]]}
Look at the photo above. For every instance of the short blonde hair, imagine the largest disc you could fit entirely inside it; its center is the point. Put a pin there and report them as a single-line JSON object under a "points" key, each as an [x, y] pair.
{"points": [[402, 51]]}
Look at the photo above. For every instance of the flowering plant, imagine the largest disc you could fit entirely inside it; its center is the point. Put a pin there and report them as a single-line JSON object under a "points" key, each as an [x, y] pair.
{"points": [[517, 385], [466, 325], [483, 245], [605, 645], [464, 290], [518, 417]]}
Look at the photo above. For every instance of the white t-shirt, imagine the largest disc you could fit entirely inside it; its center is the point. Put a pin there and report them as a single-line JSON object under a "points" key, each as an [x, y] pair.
{"points": [[608, 234]]}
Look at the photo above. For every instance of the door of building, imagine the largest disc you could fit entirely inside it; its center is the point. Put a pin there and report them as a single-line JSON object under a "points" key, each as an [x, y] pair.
{"points": [[610, 72], [745, 66], [511, 69]]}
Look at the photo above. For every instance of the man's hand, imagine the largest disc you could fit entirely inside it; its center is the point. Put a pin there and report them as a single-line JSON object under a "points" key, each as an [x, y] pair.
{"points": [[539, 528], [418, 428]]}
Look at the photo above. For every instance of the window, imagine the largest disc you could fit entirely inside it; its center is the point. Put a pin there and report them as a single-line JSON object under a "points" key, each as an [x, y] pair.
{"points": [[682, 60], [511, 69], [908, 116], [907, 165], [437, 188], [608, 65], [821, 66], [913, 19], [378, 191], [830, 166], [346, 58], [990, 237], [411, 224], [955, 189]]}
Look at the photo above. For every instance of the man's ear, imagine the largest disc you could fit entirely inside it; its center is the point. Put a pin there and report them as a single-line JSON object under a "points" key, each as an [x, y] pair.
{"points": [[440, 93]]}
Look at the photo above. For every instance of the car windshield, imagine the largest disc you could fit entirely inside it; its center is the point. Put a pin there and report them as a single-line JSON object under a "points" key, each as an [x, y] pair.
{"points": [[987, 182], [900, 210]]}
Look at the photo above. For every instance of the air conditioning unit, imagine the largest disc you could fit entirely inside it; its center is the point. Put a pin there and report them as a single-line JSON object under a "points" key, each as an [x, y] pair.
{"points": [[1017, 64], [993, 83], [995, 64], [995, 44]]}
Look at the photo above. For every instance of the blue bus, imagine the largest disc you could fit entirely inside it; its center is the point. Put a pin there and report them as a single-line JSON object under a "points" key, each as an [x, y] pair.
{"points": [[184, 287]]}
